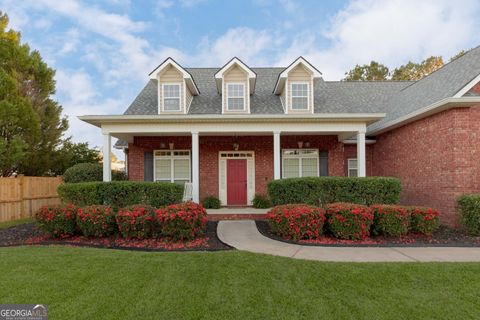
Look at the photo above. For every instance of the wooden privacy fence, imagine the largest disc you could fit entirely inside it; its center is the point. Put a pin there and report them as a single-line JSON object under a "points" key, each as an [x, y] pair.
{"points": [[20, 197]]}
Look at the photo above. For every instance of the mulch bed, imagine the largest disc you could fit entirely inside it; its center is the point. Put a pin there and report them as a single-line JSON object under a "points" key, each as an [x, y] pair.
{"points": [[443, 237], [28, 234]]}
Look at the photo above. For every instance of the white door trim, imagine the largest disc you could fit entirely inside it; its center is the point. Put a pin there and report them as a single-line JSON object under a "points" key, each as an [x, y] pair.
{"points": [[223, 156]]}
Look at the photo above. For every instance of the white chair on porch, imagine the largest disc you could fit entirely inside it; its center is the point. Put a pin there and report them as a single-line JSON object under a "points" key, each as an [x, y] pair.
{"points": [[187, 192]]}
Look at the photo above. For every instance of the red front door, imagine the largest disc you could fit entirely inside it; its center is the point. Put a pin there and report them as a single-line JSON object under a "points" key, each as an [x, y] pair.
{"points": [[237, 181]]}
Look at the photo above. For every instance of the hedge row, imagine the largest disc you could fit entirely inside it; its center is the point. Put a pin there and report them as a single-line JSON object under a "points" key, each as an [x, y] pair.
{"points": [[120, 194], [89, 172], [469, 209], [320, 191], [184, 221], [350, 221]]}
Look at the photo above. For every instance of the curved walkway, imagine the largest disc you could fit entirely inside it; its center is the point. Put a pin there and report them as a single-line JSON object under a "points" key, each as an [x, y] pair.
{"points": [[244, 235]]}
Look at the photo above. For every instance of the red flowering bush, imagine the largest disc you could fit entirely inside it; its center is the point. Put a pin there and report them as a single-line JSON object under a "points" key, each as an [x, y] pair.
{"points": [[96, 221], [424, 220], [296, 221], [136, 221], [348, 220], [58, 221], [390, 220], [184, 221]]}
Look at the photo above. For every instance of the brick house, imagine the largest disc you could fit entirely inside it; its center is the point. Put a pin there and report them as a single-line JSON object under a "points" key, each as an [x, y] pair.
{"points": [[230, 130]]}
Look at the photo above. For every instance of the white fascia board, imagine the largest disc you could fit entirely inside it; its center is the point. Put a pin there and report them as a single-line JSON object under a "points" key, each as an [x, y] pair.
{"points": [[467, 88], [186, 76], [219, 74], [284, 75], [439, 106]]}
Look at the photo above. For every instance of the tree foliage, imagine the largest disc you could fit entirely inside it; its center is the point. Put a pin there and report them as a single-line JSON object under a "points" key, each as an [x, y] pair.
{"points": [[31, 122], [368, 72], [416, 71], [70, 154]]}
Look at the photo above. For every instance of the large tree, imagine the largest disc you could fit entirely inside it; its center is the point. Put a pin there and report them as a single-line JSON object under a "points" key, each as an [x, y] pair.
{"points": [[31, 122], [416, 71], [367, 72]]}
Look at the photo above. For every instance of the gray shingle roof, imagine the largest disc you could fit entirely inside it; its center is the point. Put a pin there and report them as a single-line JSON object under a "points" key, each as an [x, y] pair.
{"points": [[395, 98]]}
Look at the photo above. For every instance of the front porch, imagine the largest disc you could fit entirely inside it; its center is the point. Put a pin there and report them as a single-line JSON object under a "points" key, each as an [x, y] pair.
{"points": [[233, 159]]}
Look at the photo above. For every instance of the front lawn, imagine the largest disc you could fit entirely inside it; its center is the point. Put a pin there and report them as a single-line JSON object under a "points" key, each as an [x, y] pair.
{"points": [[81, 283]]}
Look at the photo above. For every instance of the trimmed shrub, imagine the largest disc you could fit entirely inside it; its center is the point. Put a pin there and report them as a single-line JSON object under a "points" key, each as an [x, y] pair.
{"points": [[424, 220], [119, 194], [58, 221], [96, 221], [137, 221], [184, 221], [469, 209], [348, 220], [390, 220], [324, 190], [89, 172], [296, 221], [261, 202], [211, 202]]}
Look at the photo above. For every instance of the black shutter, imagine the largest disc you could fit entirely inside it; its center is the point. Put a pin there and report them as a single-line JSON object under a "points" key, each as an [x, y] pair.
{"points": [[148, 166], [323, 163]]}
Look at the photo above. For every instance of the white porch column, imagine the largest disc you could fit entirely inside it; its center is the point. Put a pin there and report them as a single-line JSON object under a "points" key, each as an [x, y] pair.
{"points": [[361, 161], [107, 146], [276, 155], [195, 168]]}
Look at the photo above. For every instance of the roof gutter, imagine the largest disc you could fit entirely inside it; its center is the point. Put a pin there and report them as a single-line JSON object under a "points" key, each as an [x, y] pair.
{"points": [[98, 120], [439, 106]]}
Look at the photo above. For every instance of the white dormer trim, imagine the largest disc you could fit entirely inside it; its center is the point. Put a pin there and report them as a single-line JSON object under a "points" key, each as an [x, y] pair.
{"points": [[187, 77], [252, 76], [468, 87], [284, 75]]}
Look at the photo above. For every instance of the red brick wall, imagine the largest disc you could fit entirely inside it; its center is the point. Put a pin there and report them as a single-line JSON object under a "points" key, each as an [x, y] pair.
{"points": [[211, 145], [437, 158]]}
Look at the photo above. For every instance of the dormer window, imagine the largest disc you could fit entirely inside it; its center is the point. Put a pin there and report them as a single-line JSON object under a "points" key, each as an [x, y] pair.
{"points": [[236, 97], [171, 97], [299, 96]]}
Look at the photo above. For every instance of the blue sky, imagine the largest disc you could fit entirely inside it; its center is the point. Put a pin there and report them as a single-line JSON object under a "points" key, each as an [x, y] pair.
{"points": [[103, 51]]}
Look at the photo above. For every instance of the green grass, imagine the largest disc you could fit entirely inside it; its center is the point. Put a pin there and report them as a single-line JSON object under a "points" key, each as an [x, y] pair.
{"points": [[4, 225], [80, 283]]}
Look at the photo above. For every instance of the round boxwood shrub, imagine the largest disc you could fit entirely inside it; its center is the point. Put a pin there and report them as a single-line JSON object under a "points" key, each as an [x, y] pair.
{"points": [[137, 221], [261, 202], [348, 220], [211, 202], [184, 221], [469, 209], [58, 220], [88, 172], [296, 221], [390, 220], [96, 221], [424, 220]]}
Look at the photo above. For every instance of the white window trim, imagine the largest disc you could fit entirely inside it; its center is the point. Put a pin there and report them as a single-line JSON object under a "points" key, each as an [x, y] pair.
{"points": [[308, 95], [355, 167], [228, 96], [172, 157], [180, 88], [300, 157]]}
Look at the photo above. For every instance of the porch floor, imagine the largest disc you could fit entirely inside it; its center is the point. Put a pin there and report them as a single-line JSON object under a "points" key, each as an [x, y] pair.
{"points": [[241, 213]]}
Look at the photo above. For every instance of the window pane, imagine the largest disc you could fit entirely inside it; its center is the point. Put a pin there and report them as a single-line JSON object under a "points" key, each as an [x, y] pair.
{"points": [[352, 173], [352, 163], [291, 168], [299, 103], [181, 169], [235, 90], [171, 90], [299, 90], [309, 167], [236, 104], [171, 104], [163, 169]]}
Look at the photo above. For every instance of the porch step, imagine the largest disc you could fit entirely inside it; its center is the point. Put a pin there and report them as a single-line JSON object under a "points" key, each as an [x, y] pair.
{"points": [[233, 216]]}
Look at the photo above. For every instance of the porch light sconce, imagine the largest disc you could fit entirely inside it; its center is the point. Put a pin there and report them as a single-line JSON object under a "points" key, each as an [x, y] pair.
{"points": [[171, 145], [300, 144], [307, 144], [235, 146], [162, 145]]}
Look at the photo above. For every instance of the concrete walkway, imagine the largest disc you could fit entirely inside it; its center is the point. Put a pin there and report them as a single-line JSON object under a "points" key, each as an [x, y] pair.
{"points": [[244, 235]]}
